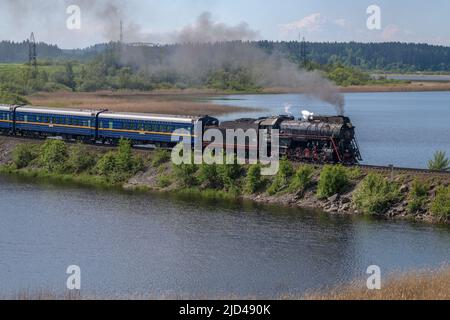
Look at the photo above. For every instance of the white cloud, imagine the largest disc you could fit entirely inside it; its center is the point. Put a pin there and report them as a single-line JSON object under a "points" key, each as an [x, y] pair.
{"points": [[311, 23], [314, 26]]}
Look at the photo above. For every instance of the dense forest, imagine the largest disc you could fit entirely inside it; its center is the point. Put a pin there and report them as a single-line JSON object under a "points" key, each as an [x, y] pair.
{"points": [[391, 56]]}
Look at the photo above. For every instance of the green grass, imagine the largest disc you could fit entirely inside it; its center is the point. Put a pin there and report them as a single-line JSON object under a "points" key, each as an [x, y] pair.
{"points": [[12, 69], [41, 174]]}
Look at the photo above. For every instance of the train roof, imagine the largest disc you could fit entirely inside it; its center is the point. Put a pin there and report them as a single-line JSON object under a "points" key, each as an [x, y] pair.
{"points": [[58, 111], [149, 117], [5, 107], [106, 114]]}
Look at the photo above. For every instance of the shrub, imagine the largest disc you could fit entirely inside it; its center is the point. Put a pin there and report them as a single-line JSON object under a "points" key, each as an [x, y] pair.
{"points": [[253, 180], [186, 174], [375, 194], [283, 177], [441, 204], [106, 164], [333, 180], [164, 181], [417, 196], [229, 175], [209, 177], [120, 165], [53, 156], [23, 155], [124, 157], [160, 157], [439, 162], [302, 179], [80, 159]]}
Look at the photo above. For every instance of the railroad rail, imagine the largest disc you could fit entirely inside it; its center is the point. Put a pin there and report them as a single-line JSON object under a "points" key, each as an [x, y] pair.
{"points": [[400, 169]]}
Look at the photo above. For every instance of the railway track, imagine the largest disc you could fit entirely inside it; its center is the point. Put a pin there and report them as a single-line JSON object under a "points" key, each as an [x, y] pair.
{"points": [[402, 170]]}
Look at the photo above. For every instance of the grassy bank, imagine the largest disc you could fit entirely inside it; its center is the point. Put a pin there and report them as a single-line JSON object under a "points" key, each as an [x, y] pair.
{"points": [[335, 189], [425, 285], [418, 285]]}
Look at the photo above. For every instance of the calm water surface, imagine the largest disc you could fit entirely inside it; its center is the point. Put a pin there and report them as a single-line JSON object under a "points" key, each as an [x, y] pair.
{"points": [[149, 244], [400, 128]]}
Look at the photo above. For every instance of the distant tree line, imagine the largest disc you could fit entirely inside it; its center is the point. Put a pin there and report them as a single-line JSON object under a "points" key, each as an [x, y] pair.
{"points": [[389, 56]]}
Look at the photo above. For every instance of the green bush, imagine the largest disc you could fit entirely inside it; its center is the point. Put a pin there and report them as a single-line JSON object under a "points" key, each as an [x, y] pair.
{"points": [[186, 174], [53, 156], [209, 177], [333, 180], [440, 206], [283, 177], [229, 175], [417, 196], [253, 180], [106, 164], [164, 181], [160, 157], [439, 162], [376, 194], [124, 156], [80, 159], [118, 166], [302, 179], [23, 155]]}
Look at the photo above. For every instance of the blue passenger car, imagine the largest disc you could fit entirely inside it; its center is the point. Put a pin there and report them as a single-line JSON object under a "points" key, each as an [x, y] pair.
{"points": [[148, 128], [48, 121], [6, 118]]}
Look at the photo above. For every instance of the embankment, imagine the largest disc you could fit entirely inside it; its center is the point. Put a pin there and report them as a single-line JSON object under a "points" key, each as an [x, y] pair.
{"points": [[335, 189]]}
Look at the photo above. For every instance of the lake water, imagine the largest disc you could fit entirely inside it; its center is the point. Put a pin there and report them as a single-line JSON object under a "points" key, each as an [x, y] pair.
{"points": [[129, 244], [400, 128]]}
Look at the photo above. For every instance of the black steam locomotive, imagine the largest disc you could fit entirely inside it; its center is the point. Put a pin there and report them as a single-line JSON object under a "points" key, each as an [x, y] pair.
{"points": [[316, 139]]}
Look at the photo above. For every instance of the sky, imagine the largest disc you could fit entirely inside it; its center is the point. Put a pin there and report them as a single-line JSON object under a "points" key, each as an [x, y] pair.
{"points": [[164, 21]]}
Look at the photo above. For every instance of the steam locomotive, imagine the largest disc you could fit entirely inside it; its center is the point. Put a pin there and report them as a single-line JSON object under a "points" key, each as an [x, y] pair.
{"points": [[315, 139]]}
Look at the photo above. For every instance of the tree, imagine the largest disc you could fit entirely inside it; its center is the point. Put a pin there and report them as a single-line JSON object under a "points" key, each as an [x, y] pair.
{"points": [[70, 77], [440, 162]]}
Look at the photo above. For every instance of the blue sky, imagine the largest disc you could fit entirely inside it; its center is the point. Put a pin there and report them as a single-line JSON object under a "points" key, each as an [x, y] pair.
{"points": [[317, 20]]}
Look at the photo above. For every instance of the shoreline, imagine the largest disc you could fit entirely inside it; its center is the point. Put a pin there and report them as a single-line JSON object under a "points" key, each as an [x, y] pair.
{"points": [[193, 101], [161, 179], [419, 284]]}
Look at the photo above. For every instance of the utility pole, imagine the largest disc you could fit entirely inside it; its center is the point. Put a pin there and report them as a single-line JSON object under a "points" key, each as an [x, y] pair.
{"points": [[32, 52], [303, 52], [121, 32]]}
